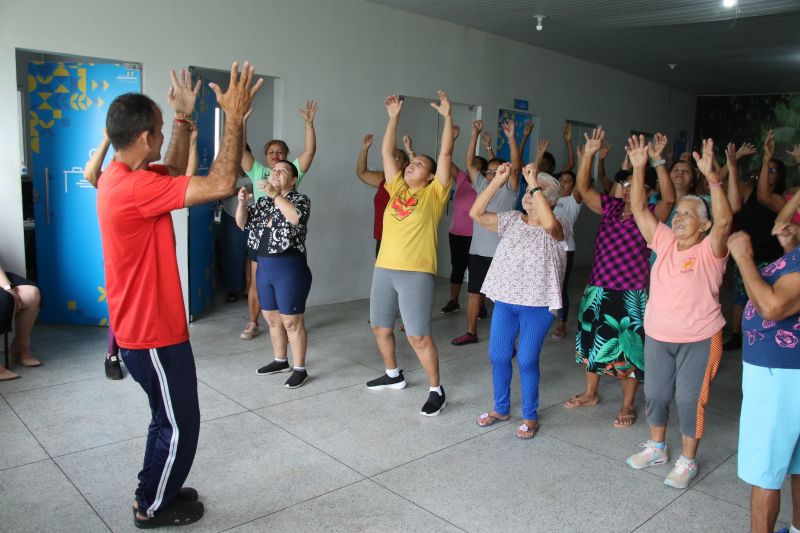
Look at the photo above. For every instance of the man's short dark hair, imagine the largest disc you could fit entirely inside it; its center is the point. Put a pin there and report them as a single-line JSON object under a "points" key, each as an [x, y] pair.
{"points": [[128, 116], [548, 163]]}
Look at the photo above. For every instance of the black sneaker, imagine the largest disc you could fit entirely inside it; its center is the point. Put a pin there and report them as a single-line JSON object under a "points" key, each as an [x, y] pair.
{"points": [[297, 379], [113, 370], [274, 367], [450, 307], [483, 313], [434, 405], [177, 513], [733, 343], [385, 382]]}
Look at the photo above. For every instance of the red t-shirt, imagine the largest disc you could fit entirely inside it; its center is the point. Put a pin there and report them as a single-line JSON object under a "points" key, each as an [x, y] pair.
{"points": [[145, 301], [380, 201]]}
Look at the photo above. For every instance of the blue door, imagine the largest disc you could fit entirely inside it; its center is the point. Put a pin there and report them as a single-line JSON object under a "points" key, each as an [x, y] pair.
{"points": [[67, 111], [201, 217]]}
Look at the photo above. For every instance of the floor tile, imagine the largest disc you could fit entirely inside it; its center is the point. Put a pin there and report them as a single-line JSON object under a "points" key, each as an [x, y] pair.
{"points": [[18, 446], [698, 508]]}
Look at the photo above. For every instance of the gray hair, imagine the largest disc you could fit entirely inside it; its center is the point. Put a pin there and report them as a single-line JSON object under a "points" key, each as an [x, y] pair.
{"points": [[550, 187], [702, 206]]}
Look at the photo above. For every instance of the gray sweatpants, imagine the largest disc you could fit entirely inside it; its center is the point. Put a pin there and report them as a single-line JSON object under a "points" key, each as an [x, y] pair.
{"points": [[410, 293], [685, 369]]}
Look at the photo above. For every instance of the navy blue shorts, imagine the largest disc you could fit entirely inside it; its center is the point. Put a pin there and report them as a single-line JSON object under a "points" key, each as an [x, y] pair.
{"points": [[283, 283]]}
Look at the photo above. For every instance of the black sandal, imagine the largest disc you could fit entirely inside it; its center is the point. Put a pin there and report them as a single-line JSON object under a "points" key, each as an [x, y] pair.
{"points": [[177, 513]]}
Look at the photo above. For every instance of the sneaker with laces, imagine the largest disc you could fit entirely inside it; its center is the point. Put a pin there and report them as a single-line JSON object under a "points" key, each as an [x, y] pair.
{"points": [[385, 382], [466, 338], [251, 330], [434, 405], [651, 455], [297, 379], [274, 367], [450, 307], [682, 473], [113, 370]]}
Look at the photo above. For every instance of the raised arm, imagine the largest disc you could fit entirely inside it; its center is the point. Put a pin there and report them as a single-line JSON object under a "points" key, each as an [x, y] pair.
{"points": [[745, 150], [247, 155], [583, 182], [764, 190], [181, 97], [408, 145], [241, 207], [526, 134], [568, 143], [486, 139], [472, 170], [235, 102], [721, 212], [732, 167], [454, 170], [773, 302], [446, 147], [371, 178], [92, 170], [789, 209], [645, 220], [284, 205], [665, 185], [547, 219], [193, 164], [390, 167], [308, 112], [605, 183], [516, 157], [478, 210]]}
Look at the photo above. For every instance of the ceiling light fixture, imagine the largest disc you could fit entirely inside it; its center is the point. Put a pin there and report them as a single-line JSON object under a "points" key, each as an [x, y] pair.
{"points": [[672, 65], [729, 3], [539, 19]]}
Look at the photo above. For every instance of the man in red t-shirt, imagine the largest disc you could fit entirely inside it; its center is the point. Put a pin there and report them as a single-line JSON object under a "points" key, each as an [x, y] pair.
{"points": [[145, 300]]}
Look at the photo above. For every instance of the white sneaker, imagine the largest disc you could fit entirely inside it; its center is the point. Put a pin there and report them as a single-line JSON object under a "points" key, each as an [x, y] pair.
{"points": [[650, 456], [682, 473], [250, 330]]}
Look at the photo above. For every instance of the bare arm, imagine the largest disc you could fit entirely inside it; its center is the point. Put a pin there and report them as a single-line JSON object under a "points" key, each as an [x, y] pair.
{"points": [[547, 219], [583, 181], [764, 190], [605, 183], [241, 207], [645, 220], [454, 170], [287, 208], [408, 145], [308, 112], [446, 148], [371, 178], [247, 155], [472, 170], [516, 157], [92, 169], [235, 102], [193, 164], [478, 211], [720, 208], [181, 97], [526, 134], [665, 185], [486, 138], [789, 209], [568, 143], [734, 191], [773, 302], [390, 167]]}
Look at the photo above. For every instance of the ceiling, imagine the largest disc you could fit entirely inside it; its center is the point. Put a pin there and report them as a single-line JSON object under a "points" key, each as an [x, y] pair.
{"points": [[753, 48]]}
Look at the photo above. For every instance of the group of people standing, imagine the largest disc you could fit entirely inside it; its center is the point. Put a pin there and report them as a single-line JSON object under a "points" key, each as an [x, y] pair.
{"points": [[665, 318]]}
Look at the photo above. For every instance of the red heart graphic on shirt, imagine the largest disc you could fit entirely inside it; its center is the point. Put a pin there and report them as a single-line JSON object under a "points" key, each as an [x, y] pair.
{"points": [[403, 208]]}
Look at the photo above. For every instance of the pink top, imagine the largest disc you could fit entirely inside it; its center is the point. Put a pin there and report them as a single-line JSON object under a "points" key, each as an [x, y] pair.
{"points": [[464, 198], [796, 216], [684, 290]]}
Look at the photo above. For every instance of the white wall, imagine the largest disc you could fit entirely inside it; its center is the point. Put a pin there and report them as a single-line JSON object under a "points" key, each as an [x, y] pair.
{"points": [[348, 55]]}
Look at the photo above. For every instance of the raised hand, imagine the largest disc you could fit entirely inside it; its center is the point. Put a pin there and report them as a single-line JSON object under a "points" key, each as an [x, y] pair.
{"points": [[237, 101], [393, 105], [705, 163], [366, 141], [528, 128], [594, 142], [602, 153], [486, 138], [530, 172], [567, 131], [769, 145], [244, 196], [657, 145], [740, 247], [795, 153], [730, 155], [541, 148], [308, 111], [638, 151], [443, 107], [502, 174], [181, 95], [408, 143], [477, 126], [456, 131], [746, 149], [508, 128]]}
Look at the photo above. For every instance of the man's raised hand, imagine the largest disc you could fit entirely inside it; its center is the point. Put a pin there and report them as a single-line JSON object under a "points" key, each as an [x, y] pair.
{"points": [[181, 95], [237, 100]]}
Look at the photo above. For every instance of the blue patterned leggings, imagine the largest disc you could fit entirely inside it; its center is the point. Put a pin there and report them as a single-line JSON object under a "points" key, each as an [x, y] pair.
{"points": [[532, 324]]}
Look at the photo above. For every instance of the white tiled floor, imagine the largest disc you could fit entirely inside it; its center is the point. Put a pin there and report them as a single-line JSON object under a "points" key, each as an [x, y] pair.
{"points": [[333, 456]]}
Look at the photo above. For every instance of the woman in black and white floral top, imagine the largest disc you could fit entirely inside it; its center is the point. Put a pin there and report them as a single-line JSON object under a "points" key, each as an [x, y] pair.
{"points": [[283, 280]]}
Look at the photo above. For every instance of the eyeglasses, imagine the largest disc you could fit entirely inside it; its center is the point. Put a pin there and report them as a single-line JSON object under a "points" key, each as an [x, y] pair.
{"points": [[491, 172]]}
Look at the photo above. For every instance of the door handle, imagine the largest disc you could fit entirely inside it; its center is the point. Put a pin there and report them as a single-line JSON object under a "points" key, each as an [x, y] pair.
{"points": [[47, 195]]}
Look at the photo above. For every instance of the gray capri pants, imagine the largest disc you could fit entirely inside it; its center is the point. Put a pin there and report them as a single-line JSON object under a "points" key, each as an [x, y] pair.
{"points": [[410, 293], [686, 368]]}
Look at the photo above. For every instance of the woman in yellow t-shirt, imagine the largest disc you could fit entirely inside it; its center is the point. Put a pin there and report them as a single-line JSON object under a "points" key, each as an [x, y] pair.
{"points": [[403, 277]]}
